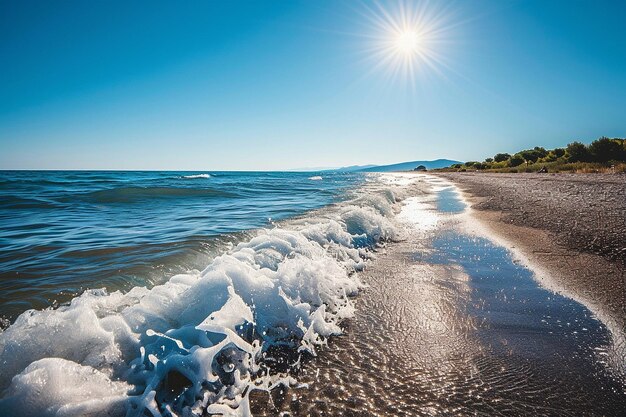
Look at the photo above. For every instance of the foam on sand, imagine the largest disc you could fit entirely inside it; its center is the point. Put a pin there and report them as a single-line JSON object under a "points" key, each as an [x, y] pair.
{"points": [[204, 340]]}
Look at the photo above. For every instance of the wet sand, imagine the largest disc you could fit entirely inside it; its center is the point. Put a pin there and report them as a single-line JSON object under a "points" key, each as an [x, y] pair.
{"points": [[452, 324], [573, 225]]}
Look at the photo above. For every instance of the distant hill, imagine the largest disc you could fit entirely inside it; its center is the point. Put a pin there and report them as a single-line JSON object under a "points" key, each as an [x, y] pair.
{"points": [[312, 169], [354, 168], [409, 166]]}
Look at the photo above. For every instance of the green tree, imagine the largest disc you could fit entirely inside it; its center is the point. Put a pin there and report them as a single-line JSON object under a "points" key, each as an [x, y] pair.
{"points": [[530, 155], [577, 152], [558, 152], [605, 150], [501, 157], [488, 159], [516, 160], [540, 152]]}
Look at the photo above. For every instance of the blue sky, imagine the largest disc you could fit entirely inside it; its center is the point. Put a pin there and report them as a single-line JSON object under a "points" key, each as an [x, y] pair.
{"points": [[211, 85]]}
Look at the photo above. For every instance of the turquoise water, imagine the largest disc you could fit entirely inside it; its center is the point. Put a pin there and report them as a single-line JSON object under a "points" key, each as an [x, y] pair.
{"points": [[62, 232]]}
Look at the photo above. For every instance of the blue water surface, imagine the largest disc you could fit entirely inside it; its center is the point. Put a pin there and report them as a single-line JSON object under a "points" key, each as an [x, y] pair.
{"points": [[65, 231]]}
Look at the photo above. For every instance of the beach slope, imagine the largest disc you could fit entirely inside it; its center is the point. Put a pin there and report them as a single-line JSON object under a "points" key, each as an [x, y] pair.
{"points": [[574, 225]]}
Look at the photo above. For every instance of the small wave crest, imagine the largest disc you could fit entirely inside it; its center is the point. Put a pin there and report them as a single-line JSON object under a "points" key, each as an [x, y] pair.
{"points": [[200, 343], [316, 178], [196, 176]]}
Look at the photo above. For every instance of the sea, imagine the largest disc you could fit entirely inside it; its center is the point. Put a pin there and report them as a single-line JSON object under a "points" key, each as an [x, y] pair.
{"points": [[174, 293], [63, 232]]}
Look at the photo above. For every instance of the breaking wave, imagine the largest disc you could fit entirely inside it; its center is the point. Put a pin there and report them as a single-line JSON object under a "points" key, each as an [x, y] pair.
{"points": [[195, 176], [201, 342]]}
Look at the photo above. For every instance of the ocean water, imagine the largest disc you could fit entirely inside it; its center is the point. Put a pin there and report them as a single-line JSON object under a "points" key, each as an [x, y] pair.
{"points": [[177, 293], [62, 232]]}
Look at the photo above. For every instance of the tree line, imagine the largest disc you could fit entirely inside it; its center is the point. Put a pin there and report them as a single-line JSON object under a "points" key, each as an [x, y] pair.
{"points": [[603, 150]]}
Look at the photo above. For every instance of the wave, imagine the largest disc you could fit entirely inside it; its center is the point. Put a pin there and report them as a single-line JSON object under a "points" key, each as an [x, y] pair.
{"points": [[316, 178], [15, 203], [200, 343], [33, 181], [195, 176], [137, 194], [68, 180]]}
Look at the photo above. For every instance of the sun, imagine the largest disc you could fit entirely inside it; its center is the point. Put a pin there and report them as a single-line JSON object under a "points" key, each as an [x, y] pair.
{"points": [[407, 42]]}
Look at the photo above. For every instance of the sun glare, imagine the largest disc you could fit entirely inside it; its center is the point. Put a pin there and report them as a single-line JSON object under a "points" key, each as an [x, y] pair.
{"points": [[408, 39], [408, 42]]}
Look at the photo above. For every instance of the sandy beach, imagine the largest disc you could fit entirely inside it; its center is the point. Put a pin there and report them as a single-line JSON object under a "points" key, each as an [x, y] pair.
{"points": [[574, 225], [463, 316]]}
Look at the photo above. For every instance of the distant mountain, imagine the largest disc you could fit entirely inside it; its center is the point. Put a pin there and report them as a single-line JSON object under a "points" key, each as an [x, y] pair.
{"points": [[403, 166], [312, 169], [409, 166], [354, 168]]}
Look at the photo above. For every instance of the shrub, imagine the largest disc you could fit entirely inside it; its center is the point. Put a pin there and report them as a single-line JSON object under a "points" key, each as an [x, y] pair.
{"points": [[532, 155], [501, 157], [605, 150], [551, 157], [558, 152], [516, 160], [540, 152], [577, 152], [488, 159]]}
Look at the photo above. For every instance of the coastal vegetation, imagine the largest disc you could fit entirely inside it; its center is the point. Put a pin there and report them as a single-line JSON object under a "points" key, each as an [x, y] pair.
{"points": [[601, 155]]}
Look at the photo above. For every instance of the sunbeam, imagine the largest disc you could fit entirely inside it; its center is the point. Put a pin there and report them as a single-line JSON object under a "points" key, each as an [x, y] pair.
{"points": [[408, 39]]}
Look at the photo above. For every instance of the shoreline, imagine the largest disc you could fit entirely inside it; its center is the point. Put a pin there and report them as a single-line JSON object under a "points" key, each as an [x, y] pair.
{"points": [[430, 335], [596, 276]]}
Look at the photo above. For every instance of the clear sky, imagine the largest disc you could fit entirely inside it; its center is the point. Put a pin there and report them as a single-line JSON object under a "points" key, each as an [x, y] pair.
{"points": [[221, 85]]}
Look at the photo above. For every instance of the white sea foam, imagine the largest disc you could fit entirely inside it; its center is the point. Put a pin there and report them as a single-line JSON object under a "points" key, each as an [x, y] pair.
{"points": [[316, 178], [195, 176], [203, 340], [420, 213]]}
